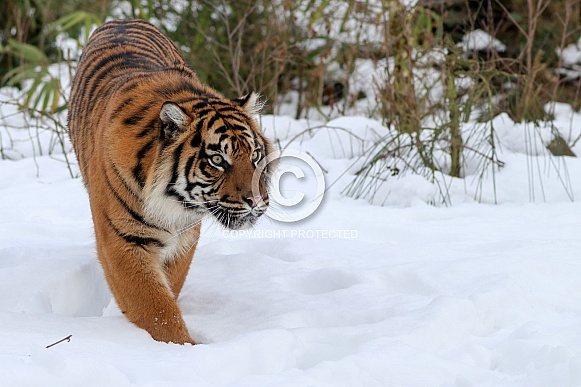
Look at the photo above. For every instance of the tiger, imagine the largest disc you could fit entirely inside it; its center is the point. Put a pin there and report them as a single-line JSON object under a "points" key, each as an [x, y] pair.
{"points": [[159, 151]]}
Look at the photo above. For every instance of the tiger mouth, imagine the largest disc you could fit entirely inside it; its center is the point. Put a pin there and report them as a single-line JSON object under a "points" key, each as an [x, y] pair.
{"points": [[236, 220]]}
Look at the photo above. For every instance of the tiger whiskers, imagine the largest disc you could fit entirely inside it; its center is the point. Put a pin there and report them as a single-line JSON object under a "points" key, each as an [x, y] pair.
{"points": [[188, 204], [191, 226], [228, 218]]}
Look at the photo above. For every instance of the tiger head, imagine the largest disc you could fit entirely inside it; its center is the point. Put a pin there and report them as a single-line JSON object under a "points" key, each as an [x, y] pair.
{"points": [[213, 162]]}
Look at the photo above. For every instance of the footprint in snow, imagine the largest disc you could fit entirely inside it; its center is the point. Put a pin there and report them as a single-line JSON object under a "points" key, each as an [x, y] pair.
{"points": [[322, 281]]}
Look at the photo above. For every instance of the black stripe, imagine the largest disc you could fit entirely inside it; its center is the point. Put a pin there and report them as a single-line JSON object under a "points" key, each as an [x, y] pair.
{"points": [[146, 148], [185, 100], [228, 109], [184, 85], [130, 238], [99, 72], [170, 190], [203, 184], [212, 121], [197, 139], [134, 119], [163, 44], [219, 104], [121, 107], [104, 64], [138, 175], [214, 147], [142, 52], [125, 184], [200, 104], [204, 168], [189, 165], [239, 127], [129, 85], [203, 112], [176, 163], [149, 128], [132, 30], [200, 125], [145, 49], [138, 169], [131, 212]]}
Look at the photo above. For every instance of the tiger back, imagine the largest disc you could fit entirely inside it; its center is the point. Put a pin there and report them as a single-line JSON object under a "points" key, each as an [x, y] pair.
{"points": [[159, 151]]}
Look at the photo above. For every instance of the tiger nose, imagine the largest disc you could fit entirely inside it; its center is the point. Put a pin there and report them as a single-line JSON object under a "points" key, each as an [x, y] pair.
{"points": [[251, 199]]}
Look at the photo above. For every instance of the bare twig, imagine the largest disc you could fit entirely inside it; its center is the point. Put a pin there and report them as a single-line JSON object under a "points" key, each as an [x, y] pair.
{"points": [[67, 339]]}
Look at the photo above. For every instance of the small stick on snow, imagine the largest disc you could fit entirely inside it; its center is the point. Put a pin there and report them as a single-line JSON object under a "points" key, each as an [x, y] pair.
{"points": [[68, 339]]}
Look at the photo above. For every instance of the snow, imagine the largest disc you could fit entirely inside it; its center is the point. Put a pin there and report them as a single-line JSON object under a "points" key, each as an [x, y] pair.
{"points": [[415, 280], [409, 293], [479, 40], [571, 54], [570, 57]]}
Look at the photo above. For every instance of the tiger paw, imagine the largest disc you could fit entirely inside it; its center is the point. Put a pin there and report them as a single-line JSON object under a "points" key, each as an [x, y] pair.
{"points": [[169, 334]]}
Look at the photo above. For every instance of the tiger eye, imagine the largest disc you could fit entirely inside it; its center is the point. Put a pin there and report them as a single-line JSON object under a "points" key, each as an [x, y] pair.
{"points": [[255, 155], [217, 159]]}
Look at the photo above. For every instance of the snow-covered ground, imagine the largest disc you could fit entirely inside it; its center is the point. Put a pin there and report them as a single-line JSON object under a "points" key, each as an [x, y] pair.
{"points": [[405, 294]]}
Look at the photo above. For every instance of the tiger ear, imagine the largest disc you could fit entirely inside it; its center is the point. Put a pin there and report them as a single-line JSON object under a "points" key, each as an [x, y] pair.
{"points": [[173, 120], [251, 102]]}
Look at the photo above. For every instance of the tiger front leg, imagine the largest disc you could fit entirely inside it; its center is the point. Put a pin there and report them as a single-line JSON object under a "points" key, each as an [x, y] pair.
{"points": [[176, 269], [140, 287]]}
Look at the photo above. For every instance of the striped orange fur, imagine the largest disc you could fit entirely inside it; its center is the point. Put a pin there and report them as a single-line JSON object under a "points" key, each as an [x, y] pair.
{"points": [[158, 151]]}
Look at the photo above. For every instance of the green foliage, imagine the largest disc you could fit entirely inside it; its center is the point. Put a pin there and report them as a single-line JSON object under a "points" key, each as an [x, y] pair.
{"points": [[309, 46], [77, 24], [43, 91]]}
